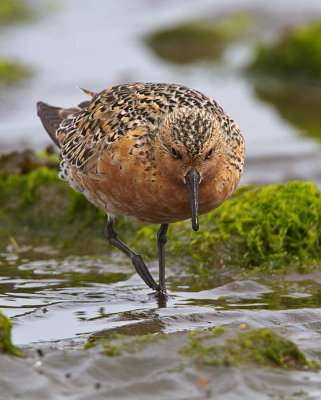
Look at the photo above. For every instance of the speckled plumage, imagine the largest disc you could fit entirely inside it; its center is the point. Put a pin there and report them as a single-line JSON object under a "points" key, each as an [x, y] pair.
{"points": [[113, 112], [129, 150]]}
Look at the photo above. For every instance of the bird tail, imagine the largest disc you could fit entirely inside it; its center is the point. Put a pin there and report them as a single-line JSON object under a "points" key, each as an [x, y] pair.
{"points": [[51, 118]]}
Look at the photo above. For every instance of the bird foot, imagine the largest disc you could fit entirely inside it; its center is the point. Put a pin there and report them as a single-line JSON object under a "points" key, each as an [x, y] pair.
{"points": [[161, 297]]}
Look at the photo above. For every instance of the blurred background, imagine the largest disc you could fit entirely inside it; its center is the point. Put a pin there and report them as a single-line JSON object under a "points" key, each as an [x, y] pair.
{"points": [[61, 284], [260, 60]]}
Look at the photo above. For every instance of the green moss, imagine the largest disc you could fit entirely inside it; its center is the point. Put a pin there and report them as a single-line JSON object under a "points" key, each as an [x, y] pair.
{"points": [[89, 345], [219, 330], [269, 227], [116, 344], [13, 72], [12, 10], [6, 345], [37, 203], [198, 40], [38, 207], [28, 184], [272, 226], [296, 55], [261, 347], [187, 43], [220, 346]]}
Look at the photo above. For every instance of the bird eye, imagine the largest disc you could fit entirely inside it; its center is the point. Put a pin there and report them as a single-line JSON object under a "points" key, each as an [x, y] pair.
{"points": [[175, 154], [209, 154]]}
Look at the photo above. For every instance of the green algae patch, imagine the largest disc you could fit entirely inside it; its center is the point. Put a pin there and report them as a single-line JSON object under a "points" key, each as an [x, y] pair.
{"points": [[242, 346], [13, 72], [187, 43], [255, 347], [269, 228], [6, 346], [297, 55], [198, 40], [117, 344], [272, 226], [39, 208]]}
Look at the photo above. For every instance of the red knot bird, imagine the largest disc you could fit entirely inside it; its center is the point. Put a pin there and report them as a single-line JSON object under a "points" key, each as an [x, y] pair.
{"points": [[155, 152]]}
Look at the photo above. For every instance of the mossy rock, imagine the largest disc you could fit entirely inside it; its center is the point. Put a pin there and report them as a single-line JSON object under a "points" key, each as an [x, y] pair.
{"points": [[117, 344], [268, 228], [13, 72], [39, 204], [187, 43], [239, 347], [6, 345], [39, 208], [297, 55], [193, 41], [253, 347]]}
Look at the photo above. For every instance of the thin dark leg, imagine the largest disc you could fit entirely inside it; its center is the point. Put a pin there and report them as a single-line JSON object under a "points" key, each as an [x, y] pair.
{"points": [[161, 241], [136, 259]]}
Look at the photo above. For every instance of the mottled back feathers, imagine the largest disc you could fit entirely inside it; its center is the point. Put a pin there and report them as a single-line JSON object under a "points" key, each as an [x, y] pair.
{"points": [[86, 131]]}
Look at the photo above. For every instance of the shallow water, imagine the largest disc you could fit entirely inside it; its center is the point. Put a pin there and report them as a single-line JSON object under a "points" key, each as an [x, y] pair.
{"points": [[57, 303], [57, 300], [91, 293]]}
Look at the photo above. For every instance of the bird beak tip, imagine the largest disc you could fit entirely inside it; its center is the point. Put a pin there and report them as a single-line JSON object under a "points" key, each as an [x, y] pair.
{"points": [[192, 182]]}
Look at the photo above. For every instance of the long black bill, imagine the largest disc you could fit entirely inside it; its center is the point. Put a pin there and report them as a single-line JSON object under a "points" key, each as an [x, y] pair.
{"points": [[192, 179]]}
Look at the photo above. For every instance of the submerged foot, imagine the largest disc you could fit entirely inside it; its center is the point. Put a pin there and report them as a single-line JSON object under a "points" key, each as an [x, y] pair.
{"points": [[161, 297]]}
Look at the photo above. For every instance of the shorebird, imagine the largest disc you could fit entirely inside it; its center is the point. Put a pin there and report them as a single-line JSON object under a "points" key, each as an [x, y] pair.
{"points": [[155, 152]]}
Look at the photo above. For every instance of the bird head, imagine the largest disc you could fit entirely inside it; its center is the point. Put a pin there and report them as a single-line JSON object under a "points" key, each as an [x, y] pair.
{"points": [[189, 147]]}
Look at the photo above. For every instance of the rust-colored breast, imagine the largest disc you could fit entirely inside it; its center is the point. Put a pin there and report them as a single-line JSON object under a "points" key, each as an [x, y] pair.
{"points": [[125, 181], [131, 185]]}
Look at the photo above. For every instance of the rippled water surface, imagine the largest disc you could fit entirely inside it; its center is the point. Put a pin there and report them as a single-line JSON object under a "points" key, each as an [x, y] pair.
{"points": [[58, 299], [58, 302]]}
